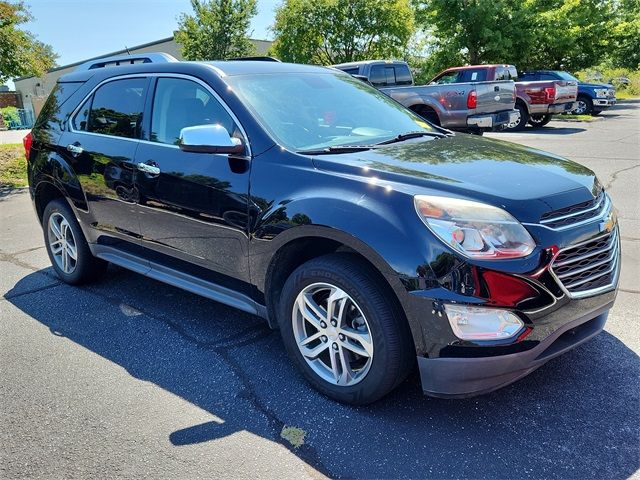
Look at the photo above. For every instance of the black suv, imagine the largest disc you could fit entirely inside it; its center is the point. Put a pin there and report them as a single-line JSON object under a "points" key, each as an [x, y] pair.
{"points": [[368, 237]]}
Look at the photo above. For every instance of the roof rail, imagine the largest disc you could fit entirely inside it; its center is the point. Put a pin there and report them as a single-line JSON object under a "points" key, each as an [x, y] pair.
{"points": [[118, 60], [256, 59]]}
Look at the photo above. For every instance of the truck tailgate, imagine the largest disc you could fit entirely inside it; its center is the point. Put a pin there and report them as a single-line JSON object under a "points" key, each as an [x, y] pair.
{"points": [[494, 96], [565, 91]]}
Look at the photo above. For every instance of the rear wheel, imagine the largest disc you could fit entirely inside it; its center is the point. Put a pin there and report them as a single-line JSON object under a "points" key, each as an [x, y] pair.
{"points": [[538, 121], [585, 106], [522, 120], [342, 331], [66, 246]]}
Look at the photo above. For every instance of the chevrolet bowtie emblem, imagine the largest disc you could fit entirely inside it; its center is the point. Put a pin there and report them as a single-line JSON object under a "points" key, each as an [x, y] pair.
{"points": [[609, 223]]}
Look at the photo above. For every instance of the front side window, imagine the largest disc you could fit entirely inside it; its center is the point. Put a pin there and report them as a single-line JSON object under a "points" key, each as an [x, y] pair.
{"points": [[306, 111], [180, 103], [116, 108], [506, 73], [445, 78]]}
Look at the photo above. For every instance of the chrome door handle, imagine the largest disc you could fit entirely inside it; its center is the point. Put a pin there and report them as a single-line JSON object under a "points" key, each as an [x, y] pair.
{"points": [[74, 149], [150, 169]]}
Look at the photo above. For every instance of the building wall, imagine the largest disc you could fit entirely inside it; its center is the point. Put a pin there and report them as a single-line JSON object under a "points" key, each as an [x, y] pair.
{"points": [[34, 90]]}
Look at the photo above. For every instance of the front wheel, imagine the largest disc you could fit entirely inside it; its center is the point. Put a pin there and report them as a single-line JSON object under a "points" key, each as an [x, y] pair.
{"points": [[538, 121], [585, 106], [342, 330]]}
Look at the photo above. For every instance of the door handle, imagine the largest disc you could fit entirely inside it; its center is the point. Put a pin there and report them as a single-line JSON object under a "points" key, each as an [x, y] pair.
{"points": [[150, 169], [74, 149]]}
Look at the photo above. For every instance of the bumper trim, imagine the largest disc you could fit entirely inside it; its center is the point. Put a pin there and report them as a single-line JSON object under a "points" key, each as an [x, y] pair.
{"points": [[467, 377]]}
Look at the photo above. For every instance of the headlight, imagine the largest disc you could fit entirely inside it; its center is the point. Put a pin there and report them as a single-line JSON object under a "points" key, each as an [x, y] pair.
{"points": [[601, 92], [474, 229]]}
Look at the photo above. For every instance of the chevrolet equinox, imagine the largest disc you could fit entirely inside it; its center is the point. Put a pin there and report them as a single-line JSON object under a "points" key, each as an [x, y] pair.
{"points": [[373, 240]]}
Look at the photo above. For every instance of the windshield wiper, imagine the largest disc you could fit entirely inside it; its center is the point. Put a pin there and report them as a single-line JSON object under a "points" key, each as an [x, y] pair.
{"points": [[409, 135], [337, 149]]}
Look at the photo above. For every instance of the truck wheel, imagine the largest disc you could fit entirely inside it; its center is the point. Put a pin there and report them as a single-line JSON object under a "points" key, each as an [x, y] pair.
{"points": [[585, 106], [522, 121], [66, 246], [538, 121], [342, 330]]}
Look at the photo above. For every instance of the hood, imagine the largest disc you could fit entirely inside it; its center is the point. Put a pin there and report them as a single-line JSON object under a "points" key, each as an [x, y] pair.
{"points": [[595, 85], [525, 181]]}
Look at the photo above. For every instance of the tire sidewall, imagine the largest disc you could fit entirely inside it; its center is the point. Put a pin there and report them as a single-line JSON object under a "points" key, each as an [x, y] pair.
{"points": [[84, 255], [368, 389]]}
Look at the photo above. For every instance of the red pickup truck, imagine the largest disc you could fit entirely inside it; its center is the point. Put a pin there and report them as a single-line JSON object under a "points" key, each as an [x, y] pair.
{"points": [[536, 101]]}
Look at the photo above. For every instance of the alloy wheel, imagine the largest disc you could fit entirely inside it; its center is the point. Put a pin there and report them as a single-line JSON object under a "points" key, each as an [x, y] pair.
{"points": [[332, 334], [62, 243], [581, 108]]}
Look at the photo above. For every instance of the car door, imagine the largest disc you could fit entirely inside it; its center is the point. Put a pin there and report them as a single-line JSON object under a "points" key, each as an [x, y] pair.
{"points": [[100, 146], [193, 205]]}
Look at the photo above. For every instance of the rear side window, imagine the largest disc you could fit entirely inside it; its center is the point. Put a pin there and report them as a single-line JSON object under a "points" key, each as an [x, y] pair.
{"points": [[382, 75], [115, 109], [529, 77], [473, 75], [180, 103], [52, 111], [403, 75]]}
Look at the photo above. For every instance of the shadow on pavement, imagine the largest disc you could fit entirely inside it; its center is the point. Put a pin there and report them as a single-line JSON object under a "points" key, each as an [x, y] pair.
{"points": [[548, 130], [575, 417]]}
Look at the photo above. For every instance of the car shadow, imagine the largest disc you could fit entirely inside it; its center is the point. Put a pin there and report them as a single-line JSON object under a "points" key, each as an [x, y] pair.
{"points": [[576, 417], [549, 130]]}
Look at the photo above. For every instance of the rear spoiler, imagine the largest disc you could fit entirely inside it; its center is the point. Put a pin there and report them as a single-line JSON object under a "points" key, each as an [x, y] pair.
{"points": [[121, 60]]}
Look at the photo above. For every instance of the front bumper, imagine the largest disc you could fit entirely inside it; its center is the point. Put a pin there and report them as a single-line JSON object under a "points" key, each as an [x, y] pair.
{"points": [[466, 377], [604, 102], [493, 121]]}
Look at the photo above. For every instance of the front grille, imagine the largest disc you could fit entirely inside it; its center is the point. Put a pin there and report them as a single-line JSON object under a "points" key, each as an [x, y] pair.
{"points": [[581, 212], [589, 267]]}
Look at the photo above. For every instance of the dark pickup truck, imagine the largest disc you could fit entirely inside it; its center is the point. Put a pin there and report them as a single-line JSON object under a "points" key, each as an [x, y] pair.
{"points": [[459, 103], [536, 101], [593, 98]]}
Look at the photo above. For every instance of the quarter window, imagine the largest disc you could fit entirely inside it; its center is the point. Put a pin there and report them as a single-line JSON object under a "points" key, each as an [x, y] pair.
{"points": [[117, 108], [180, 103]]}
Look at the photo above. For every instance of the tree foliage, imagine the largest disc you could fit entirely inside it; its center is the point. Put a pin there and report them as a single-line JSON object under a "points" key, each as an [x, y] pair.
{"points": [[336, 31], [625, 51], [21, 53], [531, 34], [217, 29]]}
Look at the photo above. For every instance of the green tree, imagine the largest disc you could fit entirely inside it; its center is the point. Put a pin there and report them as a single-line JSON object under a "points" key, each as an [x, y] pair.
{"points": [[20, 53], [625, 51], [336, 31], [217, 30], [562, 34]]}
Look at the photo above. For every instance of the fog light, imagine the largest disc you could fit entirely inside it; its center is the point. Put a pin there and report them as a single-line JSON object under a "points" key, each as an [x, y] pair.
{"points": [[477, 323]]}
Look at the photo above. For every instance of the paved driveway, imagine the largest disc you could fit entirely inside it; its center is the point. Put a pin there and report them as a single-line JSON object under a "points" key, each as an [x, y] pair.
{"points": [[133, 378]]}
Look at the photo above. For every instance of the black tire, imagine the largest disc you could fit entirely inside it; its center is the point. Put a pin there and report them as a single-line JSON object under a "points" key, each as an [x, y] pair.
{"points": [[522, 122], [87, 267], [394, 351], [539, 121], [585, 106]]}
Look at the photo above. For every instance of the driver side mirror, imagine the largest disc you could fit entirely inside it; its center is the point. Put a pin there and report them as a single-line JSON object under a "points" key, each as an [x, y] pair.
{"points": [[209, 139]]}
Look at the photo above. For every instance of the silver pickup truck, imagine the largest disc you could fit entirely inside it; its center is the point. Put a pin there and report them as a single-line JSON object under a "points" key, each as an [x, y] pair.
{"points": [[455, 102]]}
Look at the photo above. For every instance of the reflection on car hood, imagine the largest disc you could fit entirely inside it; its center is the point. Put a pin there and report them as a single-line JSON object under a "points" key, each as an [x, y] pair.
{"points": [[524, 180]]}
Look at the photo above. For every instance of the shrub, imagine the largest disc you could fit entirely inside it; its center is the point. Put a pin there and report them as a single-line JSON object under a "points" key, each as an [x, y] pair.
{"points": [[626, 81], [10, 115]]}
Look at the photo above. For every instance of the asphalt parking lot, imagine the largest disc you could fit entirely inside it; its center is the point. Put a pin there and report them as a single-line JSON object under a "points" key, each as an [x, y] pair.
{"points": [[133, 378]]}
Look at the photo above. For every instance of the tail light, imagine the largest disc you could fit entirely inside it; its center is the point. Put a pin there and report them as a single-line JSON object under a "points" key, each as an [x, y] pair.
{"points": [[472, 99], [27, 141], [550, 93]]}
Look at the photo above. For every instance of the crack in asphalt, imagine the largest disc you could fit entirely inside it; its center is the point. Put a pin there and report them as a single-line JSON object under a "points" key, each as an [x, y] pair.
{"points": [[614, 175]]}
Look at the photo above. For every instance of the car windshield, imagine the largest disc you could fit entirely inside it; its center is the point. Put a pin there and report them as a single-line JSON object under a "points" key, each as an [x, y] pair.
{"points": [[567, 76], [310, 111]]}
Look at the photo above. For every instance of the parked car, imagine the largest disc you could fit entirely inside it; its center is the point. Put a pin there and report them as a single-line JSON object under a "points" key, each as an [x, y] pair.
{"points": [[593, 98], [536, 101], [457, 103], [372, 240]]}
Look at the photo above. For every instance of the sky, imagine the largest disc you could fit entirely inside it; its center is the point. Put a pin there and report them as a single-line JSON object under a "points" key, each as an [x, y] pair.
{"points": [[80, 29]]}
